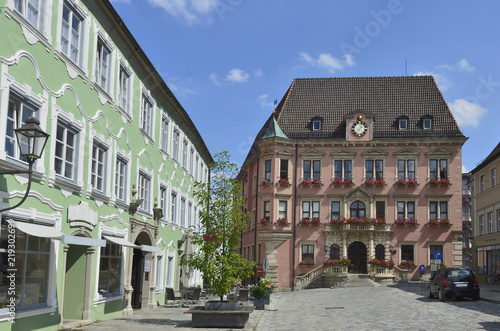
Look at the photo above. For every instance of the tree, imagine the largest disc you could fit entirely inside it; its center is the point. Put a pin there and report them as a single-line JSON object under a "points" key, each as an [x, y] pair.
{"points": [[222, 219]]}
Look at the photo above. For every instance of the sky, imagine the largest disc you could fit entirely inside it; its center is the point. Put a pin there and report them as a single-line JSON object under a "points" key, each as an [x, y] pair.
{"points": [[226, 61]]}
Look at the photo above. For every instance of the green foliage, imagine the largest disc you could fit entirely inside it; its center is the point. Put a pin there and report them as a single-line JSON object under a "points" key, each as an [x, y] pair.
{"points": [[258, 291], [222, 219]]}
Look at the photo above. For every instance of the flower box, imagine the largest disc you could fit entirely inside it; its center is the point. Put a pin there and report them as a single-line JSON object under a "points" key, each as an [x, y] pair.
{"points": [[306, 262], [342, 182], [438, 222], [437, 182], [311, 182], [266, 182], [282, 221], [310, 221], [341, 262], [265, 221], [381, 263], [285, 182], [374, 182], [405, 222], [410, 182]]}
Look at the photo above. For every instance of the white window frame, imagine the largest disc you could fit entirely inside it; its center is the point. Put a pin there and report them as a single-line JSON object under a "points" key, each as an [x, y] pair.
{"points": [[183, 212], [190, 214], [403, 124], [173, 207], [481, 225], [160, 269], [482, 183], [40, 27], [98, 167], [121, 164], [405, 210], [185, 148], [191, 161], [163, 199], [489, 219], [427, 124], [283, 209], [65, 162], [147, 115], [438, 202], [310, 205], [316, 125], [144, 185], [176, 141], [103, 64], [74, 11], [164, 131], [493, 177], [124, 89]]}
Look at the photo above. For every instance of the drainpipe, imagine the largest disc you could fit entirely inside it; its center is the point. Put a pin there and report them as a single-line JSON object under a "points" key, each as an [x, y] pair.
{"points": [[294, 214], [255, 222]]}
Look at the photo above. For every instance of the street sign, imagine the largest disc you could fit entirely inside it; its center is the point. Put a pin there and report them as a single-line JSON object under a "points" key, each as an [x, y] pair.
{"points": [[260, 271], [422, 269], [437, 261], [437, 255], [266, 264]]}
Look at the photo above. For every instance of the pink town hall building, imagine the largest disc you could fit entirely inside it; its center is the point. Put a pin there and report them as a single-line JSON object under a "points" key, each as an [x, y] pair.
{"points": [[352, 175]]}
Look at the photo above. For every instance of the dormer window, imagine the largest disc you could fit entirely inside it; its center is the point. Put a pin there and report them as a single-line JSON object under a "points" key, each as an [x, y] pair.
{"points": [[427, 122], [403, 123], [316, 125]]}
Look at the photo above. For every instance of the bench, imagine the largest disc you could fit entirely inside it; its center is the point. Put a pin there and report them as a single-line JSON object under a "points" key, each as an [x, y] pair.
{"points": [[202, 318]]}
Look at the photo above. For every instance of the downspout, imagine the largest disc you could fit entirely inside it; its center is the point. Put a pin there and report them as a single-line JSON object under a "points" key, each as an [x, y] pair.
{"points": [[294, 214], [255, 222]]}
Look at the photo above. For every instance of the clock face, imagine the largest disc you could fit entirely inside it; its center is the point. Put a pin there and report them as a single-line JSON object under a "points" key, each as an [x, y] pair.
{"points": [[359, 128]]}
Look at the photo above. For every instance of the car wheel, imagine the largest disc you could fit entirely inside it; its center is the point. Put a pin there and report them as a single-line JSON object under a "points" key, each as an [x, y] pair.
{"points": [[429, 293]]}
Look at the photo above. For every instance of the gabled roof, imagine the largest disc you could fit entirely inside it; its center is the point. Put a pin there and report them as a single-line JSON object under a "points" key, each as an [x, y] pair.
{"points": [[386, 98], [495, 153]]}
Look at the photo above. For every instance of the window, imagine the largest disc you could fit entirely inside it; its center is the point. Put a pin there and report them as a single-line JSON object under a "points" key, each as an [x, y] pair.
{"points": [[184, 153], [164, 134], [435, 172], [334, 252], [316, 125], [481, 225], [147, 116], [283, 169], [380, 252], [427, 123], [374, 169], [267, 170], [407, 253], [282, 210], [406, 209], [307, 252], [191, 161], [380, 209], [343, 169], [159, 272], [259, 253], [406, 169], [19, 110], [312, 169], [143, 191], [310, 209], [358, 209], [32, 268], [176, 144], [173, 201], [438, 210], [498, 219], [335, 210], [124, 92], [102, 65], [490, 222], [71, 34], [163, 200], [31, 11], [432, 250], [97, 172], [493, 177], [65, 151], [267, 209], [403, 124], [110, 266], [196, 168], [482, 185], [120, 178], [183, 212]]}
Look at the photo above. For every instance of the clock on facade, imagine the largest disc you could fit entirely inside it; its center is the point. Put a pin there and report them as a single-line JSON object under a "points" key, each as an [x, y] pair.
{"points": [[359, 128]]}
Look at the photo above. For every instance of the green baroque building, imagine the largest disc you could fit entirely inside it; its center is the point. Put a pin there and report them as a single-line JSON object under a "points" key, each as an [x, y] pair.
{"points": [[111, 207]]}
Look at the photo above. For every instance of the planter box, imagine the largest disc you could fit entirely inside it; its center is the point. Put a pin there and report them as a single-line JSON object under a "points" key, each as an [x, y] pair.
{"points": [[202, 318], [224, 305], [259, 304]]}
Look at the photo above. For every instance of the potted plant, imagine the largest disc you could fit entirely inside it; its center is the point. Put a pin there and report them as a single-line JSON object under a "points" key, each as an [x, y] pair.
{"points": [[259, 292], [282, 221]]}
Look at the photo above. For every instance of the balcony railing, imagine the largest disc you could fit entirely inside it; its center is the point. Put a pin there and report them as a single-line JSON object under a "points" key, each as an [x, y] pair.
{"points": [[358, 227]]}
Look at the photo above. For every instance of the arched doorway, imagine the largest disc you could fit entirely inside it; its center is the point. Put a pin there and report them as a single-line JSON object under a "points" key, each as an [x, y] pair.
{"points": [[357, 254], [140, 273]]}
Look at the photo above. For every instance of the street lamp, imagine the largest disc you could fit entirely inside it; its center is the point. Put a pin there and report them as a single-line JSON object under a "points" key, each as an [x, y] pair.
{"points": [[392, 250], [31, 140]]}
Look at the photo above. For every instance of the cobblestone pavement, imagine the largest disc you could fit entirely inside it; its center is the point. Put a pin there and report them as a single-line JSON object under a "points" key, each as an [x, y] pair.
{"points": [[380, 307]]}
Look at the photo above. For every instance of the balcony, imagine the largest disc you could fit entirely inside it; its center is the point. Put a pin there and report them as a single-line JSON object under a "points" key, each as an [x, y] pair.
{"points": [[358, 227]]}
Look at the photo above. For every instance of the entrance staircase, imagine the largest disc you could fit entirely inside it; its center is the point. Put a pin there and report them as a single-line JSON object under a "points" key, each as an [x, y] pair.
{"points": [[358, 280], [327, 277]]}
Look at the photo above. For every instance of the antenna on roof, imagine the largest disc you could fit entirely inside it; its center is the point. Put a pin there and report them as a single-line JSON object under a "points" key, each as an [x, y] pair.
{"points": [[406, 63], [275, 101]]}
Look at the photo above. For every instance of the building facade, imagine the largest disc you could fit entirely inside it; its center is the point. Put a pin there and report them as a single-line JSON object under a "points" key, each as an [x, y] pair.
{"points": [[362, 168], [111, 205], [486, 214]]}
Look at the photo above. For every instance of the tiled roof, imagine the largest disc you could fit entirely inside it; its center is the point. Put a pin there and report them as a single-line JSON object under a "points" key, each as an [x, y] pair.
{"points": [[387, 98]]}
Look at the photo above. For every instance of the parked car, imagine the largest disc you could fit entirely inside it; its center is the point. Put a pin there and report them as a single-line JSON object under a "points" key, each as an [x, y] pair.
{"points": [[453, 283]]}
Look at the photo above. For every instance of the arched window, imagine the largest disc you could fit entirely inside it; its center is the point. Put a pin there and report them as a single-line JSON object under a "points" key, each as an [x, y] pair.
{"points": [[357, 209], [334, 252], [380, 252]]}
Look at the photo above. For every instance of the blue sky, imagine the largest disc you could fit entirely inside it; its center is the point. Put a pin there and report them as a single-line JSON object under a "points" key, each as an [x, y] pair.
{"points": [[227, 60]]}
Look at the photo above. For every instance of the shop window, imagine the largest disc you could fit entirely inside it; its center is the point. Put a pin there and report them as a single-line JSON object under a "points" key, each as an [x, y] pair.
{"points": [[110, 267]]}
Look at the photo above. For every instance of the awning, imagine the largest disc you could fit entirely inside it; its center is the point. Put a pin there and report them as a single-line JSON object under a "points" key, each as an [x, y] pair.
{"points": [[83, 241], [120, 241], [147, 248], [38, 230]]}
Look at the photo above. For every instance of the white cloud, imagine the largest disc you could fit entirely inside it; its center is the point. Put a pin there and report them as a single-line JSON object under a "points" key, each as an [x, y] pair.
{"points": [[258, 73], [237, 76], [215, 79], [467, 113], [463, 64], [264, 102], [327, 61], [190, 11]]}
